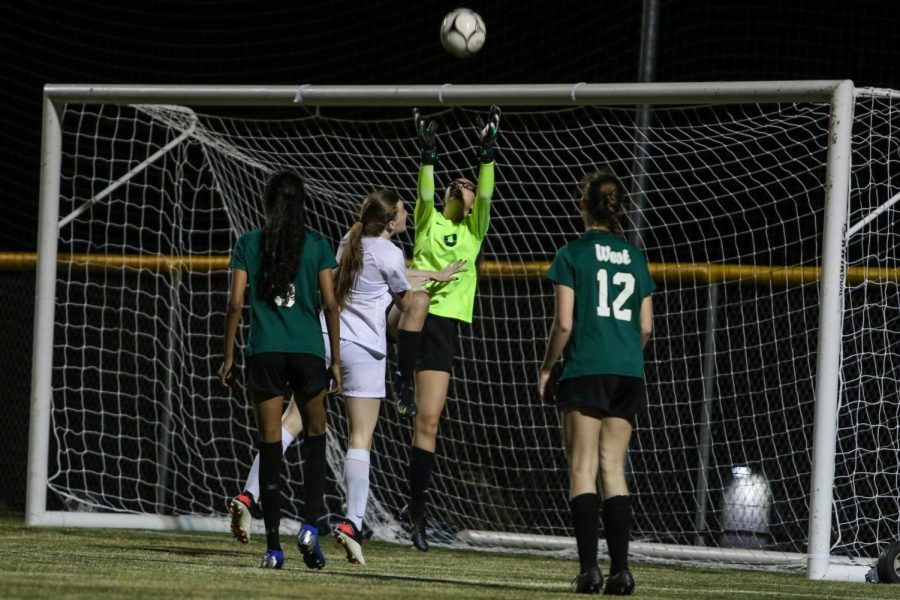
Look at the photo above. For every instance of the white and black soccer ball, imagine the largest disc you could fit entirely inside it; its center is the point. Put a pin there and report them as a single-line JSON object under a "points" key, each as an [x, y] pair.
{"points": [[462, 32]]}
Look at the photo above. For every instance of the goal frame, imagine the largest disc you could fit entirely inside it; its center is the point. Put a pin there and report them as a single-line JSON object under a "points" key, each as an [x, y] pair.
{"points": [[839, 93]]}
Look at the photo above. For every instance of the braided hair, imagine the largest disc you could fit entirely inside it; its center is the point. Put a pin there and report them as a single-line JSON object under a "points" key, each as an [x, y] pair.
{"points": [[605, 199]]}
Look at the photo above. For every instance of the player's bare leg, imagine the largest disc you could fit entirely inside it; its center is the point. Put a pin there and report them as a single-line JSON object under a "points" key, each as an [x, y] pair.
{"points": [[431, 396], [581, 435], [614, 438]]}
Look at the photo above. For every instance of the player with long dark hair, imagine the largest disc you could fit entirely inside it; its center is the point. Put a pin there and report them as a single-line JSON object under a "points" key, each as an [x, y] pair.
{"points": [[603, 319], [427, 354], [281, 269]]}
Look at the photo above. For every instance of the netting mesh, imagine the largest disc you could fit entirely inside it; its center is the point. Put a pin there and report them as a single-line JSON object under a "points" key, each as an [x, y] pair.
{"points": [[141, 425], [867, 473]]}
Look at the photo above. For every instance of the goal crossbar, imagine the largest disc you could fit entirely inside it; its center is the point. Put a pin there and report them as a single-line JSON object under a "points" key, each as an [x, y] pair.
{"points": [[553, 94]]}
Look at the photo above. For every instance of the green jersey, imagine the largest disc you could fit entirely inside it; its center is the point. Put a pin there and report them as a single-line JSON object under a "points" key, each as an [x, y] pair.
{"points": [[610, 278], [288, 324], [439, 241]]}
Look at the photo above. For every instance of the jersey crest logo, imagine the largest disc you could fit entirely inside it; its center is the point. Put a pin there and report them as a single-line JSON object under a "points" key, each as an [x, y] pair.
{"points": [[289, 301], [450, 240]]}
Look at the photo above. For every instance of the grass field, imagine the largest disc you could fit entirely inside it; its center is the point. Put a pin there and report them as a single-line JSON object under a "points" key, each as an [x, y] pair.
{"points": [[70, 563]]}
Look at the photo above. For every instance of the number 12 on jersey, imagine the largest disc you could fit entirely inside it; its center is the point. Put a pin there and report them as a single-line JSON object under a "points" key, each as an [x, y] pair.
{"points": [[620, 279]]}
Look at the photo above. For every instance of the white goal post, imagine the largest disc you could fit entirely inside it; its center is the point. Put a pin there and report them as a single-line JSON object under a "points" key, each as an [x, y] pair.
{"points": [[827, 272]]}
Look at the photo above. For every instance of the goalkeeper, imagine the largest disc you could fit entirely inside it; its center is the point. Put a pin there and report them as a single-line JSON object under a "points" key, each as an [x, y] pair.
{"points": [[603, 319], [426, 350]]}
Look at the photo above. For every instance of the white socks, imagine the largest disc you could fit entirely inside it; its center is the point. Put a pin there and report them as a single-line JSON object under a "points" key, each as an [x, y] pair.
{"points": [[252, 485], [356, 479]]}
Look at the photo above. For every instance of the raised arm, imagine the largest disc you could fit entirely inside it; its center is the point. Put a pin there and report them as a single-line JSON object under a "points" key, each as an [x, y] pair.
{"points": [[427, 134], [425, 199], [479, 219]]}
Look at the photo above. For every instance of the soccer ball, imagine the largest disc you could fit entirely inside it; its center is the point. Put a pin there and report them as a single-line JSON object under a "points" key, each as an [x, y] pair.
{"points": [[462, 32]]}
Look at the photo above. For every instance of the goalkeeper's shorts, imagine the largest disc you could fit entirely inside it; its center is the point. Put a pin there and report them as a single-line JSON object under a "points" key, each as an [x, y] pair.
{"points": [[437, 346], [279, 373], [606, 395]]}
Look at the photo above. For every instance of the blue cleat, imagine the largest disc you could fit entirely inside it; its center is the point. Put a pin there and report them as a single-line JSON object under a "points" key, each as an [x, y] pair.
{"points": [[272, 559], [308, 544]]}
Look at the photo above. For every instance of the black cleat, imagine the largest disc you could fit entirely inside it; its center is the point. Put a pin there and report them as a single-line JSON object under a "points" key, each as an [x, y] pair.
{"points": [[620, 584], [589, 582], [416, 529], [403, 397], [366, 532]]}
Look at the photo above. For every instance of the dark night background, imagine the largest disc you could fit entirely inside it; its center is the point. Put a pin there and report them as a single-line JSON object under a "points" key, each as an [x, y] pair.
{"points": [[261, 42]]}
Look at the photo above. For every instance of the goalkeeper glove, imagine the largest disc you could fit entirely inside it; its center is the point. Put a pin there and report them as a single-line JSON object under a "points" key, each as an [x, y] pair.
{"points": [[427, 137], [488, 135]]}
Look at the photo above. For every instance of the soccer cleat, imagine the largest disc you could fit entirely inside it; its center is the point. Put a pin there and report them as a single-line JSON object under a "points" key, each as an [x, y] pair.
{"points": [[272, 559], [239, 508], [403, 397], [589, 582], [620, 584], [308, 545], [347, 535], [416, 529]]}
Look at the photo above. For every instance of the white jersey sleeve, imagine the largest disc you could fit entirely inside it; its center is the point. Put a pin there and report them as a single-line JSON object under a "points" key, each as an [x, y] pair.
{"points": [[393, 267]]}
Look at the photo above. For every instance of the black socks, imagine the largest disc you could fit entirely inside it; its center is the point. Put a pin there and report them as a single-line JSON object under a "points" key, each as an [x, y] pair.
{"points": [[407, 353], [586, 520], [312, 453], [421, 463], [270, 490], [617, 524]]}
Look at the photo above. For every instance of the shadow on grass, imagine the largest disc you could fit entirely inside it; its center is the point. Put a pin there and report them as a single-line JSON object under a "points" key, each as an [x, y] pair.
{"points": [[447, 580], [183, 550]]}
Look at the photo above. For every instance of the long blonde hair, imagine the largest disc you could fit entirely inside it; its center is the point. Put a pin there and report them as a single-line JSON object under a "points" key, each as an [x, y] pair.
{"points": [[378, 209]]}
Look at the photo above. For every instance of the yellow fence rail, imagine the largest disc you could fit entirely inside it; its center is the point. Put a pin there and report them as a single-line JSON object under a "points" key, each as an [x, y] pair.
{"points": [[661, 272]]}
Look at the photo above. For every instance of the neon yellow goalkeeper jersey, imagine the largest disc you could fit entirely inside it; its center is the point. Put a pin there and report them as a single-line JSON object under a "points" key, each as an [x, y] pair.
{"points": [[439, 241]]}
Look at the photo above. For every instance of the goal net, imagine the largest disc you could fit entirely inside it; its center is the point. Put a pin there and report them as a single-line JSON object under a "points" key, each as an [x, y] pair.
{"points": [[729, 203]]}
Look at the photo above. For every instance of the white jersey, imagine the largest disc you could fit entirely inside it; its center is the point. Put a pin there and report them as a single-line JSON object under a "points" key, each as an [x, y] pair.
{"points": [[383, 272]]}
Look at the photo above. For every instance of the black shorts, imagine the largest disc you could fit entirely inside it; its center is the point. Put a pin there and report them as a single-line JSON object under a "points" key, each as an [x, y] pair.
{"points": [[437, 346], [608, 395], [281, 373]]}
